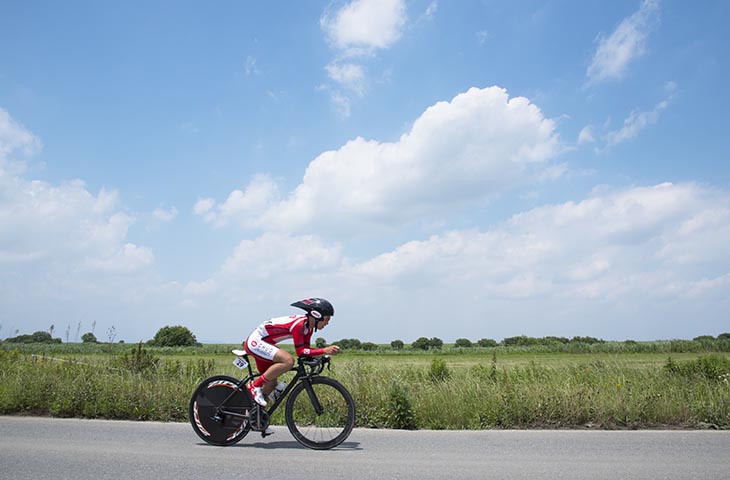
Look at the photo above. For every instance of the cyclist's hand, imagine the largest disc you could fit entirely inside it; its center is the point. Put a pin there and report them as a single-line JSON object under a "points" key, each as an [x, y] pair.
{"points": [[332, 350]]}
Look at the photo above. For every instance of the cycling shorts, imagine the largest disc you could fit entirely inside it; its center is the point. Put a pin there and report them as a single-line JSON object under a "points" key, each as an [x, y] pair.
{"points": [[262, 352]]}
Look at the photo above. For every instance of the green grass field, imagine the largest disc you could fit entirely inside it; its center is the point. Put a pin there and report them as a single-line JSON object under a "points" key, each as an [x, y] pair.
{"points": [[473, 388]]}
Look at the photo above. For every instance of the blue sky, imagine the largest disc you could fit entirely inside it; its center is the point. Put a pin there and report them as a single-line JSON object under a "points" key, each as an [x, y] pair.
{"points": [[471, 169]]}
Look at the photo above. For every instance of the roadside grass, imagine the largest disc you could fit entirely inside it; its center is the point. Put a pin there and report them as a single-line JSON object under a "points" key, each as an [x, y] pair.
{"points": [[451, 389]]}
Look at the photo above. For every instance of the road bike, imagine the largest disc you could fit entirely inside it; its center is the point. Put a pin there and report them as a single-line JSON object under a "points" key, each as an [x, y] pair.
{"points": [[320, 412]]}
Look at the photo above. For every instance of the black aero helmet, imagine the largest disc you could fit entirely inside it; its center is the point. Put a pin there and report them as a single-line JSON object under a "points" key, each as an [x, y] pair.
{"points": [[317, 307]]}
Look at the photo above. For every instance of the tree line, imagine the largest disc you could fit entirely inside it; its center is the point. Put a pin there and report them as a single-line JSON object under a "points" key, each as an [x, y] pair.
{"points": [[179, 336], [168, 336], [435, 343]]}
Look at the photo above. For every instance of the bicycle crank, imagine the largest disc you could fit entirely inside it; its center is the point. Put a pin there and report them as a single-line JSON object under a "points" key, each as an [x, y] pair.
{"points": [[258, 418]]}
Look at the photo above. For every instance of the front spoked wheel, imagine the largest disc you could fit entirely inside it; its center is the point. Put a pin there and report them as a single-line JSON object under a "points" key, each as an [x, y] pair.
{"points": [[320, 413], [213, 421]]}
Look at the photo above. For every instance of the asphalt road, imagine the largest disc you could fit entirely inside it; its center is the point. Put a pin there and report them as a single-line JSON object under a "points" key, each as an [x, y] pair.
{"points": [[43, 448]]}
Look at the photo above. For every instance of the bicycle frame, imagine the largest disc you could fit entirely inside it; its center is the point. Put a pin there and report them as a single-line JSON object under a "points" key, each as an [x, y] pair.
{"points": [[315, 364]]}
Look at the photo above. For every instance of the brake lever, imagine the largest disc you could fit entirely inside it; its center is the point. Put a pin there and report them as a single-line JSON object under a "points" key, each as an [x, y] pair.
{"points": [[326, 361]]}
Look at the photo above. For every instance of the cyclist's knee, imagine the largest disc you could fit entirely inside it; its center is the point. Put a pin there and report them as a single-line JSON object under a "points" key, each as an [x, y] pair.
{"points": [[285, 358]]}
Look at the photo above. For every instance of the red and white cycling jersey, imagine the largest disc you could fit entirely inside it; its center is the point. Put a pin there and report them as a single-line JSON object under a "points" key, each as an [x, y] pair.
{"points": [[275, 330]]}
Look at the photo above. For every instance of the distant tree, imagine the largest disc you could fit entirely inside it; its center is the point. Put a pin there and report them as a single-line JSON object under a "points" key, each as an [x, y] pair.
{"points": [[36, 337], [42, 337], [589, 340], [724, 336], [397, 344], [487, 342], [521, 341], [349, 344], [369, 346], [436, 343], [704, 338], [463, 342], [320, 343], [174, 336], [89, 338], [422, 343], [548, 340]]}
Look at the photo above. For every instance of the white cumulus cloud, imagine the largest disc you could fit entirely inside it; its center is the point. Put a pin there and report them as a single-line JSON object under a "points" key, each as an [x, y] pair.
{"points": [[244, 206], [619, 262], [365, 24], [59, 240], [642, 243], [269, 270], [460, 152], [66, 225]]}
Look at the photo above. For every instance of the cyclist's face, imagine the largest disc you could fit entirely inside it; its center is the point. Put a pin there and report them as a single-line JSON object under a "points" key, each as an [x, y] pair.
{"points": [[322, 322]]}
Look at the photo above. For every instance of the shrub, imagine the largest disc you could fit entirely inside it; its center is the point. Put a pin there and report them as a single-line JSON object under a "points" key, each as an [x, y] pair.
{"points": [[89, 338], [140, 360], [712, 367], [487, 342], [401, 411], [397, 344], [463, 342], [369, 346], [176, 336], [439, 371]]}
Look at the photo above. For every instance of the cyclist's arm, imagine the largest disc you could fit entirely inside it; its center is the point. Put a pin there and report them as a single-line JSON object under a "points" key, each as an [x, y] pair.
{"points": [[305, 351], [302, 344], [303, 348]]}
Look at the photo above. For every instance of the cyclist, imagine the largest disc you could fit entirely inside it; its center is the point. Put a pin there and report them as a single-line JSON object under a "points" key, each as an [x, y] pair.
{"points": [[272, 361]]}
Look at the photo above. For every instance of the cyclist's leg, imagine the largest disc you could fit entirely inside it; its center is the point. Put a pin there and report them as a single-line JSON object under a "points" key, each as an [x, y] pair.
{"points": [[283, 362], [271, 362]]}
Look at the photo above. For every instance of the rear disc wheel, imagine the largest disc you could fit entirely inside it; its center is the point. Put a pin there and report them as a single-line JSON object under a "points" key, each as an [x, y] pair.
{"points": [[212, 423]]}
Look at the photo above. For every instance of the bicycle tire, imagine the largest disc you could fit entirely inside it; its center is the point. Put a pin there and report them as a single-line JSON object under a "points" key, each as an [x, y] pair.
{"points": [[208, 396], [331, 427]]}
